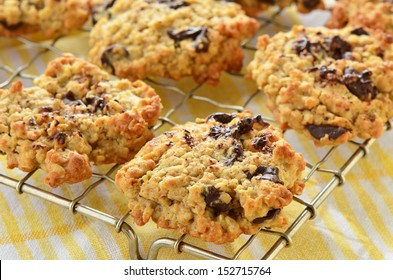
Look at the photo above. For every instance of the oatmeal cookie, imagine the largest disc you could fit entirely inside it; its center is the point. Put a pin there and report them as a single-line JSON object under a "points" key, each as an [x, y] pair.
{"points": [[51, 17], [171, 38], [372, 14], [254, 7], [74, 115], [215, 178], [330, 84]]}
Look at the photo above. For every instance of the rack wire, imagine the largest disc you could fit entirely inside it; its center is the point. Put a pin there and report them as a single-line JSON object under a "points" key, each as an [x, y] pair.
{"points": [[306, 209]]}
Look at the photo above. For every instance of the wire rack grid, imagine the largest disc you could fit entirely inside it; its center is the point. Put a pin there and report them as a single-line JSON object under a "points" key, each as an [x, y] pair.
{"points": [[305, 209]]}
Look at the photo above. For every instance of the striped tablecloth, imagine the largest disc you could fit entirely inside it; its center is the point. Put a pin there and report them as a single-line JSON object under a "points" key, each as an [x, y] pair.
{"points": [[355, 221]]}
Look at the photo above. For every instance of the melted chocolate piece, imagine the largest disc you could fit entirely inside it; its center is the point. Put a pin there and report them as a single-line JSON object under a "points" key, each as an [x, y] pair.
{"points": [[260, 143], [45, 109], [359, 84], [238, 154], [188, 138], [319, 131], [268, 173], [359, 31], [258, 119], [222, 117], [311, 4], [219, 131], [212, 199], [271, 214], [69, 99], [236, 131], [11, 27], [327, 73], [242, 127], [302, 46], [338, 48], [198, 34], [60, 137], [95, 102], [109, 54]]}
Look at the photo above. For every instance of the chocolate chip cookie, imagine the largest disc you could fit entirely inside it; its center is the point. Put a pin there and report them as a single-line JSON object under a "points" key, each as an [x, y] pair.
{"points": [[170, 38], [254, 7], [51, 17], [332, 85], [73, 115], [215, 178], [376, 15]]}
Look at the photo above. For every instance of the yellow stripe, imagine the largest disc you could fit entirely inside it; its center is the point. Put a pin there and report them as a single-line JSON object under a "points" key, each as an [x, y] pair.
{"points": [[84, 224], [376, 220], [35, 225], [11, 225], [332, 225], [366, 202]]}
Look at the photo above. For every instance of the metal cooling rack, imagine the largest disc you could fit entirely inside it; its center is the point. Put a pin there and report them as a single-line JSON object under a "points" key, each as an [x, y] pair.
{"points": [[306, 209]]}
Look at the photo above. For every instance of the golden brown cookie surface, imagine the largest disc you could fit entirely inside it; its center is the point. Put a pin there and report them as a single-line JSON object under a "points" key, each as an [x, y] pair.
{"points": [[214, 179], [74, 115]]}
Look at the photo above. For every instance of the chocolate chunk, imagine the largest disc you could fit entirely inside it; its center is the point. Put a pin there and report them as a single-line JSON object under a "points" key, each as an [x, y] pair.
{"points": [[311, 4], [46, 109], [270, 2], [359, 84], [219, 131], [319, 131], [338, 48], [259, 120], [237, 154], [359, 31], [327, 73], [95, 102], [38, 146], [260, 143], [11, 27], [188, 138], [242, 127], [222, 117], [212, 199], [32, 122], [174, 4], [70, 95], [198, 34], [236, 131], [302, 46], [267, 173], [113, 53], [100, 9], [60, 137], [69, 99], [271, 214]]}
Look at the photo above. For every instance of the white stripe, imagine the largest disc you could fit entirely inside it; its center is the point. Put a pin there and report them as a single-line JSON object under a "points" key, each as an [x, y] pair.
{"points": [[8, 252], [109, 243], [388, 182], [84, 244], [35, 249], [362, 215], [59, 248], [326, 232]]}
